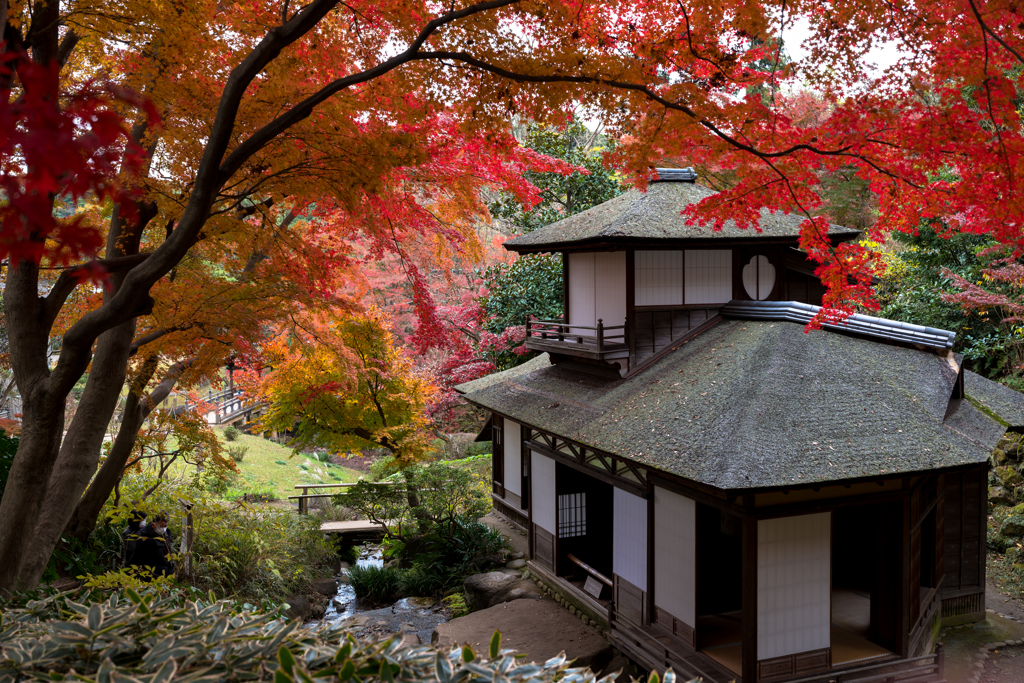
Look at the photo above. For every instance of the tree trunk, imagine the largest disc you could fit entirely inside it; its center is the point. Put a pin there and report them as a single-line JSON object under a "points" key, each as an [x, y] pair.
{"points": [[42, 394], [87, 512], [80, 452]]}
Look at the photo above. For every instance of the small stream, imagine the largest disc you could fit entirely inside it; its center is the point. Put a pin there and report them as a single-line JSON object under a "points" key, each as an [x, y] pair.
{"points": [[369, 620]]}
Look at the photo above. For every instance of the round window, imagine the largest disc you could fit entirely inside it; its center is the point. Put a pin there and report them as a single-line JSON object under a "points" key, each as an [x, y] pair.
{"points": [[759, 278]]}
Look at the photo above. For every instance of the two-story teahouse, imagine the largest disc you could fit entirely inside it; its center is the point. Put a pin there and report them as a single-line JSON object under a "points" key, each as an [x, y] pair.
{"points": [[735, 497]]}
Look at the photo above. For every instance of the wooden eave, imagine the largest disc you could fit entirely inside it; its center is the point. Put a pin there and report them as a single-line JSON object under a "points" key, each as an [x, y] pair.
{"points": [[658, 244], [605, 466]]}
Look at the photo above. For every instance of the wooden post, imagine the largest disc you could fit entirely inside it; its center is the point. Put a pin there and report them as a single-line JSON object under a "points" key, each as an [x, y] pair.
{"points": [[749, 599], [940, 661], [303, 504], [629, 333], [600, 335]]}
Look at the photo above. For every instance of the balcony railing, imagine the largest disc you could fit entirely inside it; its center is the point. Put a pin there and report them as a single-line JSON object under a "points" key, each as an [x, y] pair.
{"points": [[584, 340]]}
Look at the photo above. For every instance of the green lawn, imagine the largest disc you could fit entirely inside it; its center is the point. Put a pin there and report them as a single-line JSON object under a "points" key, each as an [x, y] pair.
{"points": [[266, 464]]}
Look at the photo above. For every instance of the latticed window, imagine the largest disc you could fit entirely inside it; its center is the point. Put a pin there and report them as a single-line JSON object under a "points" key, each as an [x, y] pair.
{"points": [[572, 515]]}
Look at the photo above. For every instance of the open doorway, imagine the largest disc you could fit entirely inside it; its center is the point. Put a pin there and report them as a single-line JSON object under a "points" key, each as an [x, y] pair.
{"points": [[720, 586], [865, 582], [584, 520]]}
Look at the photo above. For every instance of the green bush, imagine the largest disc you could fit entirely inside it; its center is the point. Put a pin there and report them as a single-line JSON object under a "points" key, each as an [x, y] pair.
{"points": [[254, 493], [280, 462], [377, 584], [237, 453], [456, 602], [152, 639], [480, 448], [439, 542], [231, 433], [322, 456], [425, 578], [246, 553]]}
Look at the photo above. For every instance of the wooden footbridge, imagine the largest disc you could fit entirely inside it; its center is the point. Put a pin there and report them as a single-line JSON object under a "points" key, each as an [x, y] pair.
{"points": [[353, 531]]}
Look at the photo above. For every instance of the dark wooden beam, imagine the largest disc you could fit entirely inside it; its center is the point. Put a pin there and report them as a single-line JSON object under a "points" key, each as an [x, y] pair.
{"points": [[631, 306], [709, 499], [637, 488], [565, 286], [749, 593]]}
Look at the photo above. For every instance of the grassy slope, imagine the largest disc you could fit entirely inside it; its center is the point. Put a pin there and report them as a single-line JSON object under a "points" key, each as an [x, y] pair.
{"points": [[261, 467]]}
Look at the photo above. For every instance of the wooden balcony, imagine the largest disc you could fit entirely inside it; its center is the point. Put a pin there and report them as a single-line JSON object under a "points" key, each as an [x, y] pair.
{"points": [[602, 342]]}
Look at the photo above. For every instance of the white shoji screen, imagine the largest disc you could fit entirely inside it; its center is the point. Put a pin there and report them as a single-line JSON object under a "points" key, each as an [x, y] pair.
{"points": [[659, 278], [513, 457], [794, 584], [629, 538], [708, 276], [675, 553], [543, 489]]}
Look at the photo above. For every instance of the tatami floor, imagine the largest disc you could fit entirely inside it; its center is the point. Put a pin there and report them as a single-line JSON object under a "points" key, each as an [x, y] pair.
{"points": [[720, 638], [851, 621], [721, 634]]}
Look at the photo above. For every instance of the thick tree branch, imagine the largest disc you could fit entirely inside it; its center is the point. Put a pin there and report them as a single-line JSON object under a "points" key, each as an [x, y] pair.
{"points": [[264, 135], [67, 44], [70, 279]]}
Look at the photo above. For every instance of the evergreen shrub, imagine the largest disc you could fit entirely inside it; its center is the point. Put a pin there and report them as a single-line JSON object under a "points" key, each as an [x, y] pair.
{"points": [[152, 639]]}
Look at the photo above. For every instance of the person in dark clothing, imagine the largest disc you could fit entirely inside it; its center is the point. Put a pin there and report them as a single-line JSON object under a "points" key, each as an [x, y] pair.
{"points": [[154, 546], [130, 535]]}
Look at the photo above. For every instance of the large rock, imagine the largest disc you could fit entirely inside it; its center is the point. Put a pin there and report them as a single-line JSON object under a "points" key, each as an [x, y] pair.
{"points": [[1013, 526], [326, 586], [298, 607], [997, 495], [521, 590], [482, 590], [1008, 476], [540, 629]]}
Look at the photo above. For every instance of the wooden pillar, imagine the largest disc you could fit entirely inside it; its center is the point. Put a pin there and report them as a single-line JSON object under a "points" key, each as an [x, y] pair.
{"points": [[749, 668], [650, 553], [906, 590], [527, 466], [565, 286], [631, 306]]}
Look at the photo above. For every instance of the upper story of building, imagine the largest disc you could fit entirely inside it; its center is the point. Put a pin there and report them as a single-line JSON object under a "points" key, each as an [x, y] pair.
{"points": [[638, 281]]}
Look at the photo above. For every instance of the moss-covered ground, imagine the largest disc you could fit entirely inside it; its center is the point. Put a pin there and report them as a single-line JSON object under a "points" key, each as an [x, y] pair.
{"points": [[963, 642]]}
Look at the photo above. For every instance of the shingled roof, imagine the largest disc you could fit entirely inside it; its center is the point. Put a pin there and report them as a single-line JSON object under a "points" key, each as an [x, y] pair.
{"points": [[654, 215], [1000, 402], [759, 404]]}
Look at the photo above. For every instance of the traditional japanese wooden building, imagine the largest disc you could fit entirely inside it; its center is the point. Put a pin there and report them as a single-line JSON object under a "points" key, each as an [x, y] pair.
{"points": [[737, 498]]}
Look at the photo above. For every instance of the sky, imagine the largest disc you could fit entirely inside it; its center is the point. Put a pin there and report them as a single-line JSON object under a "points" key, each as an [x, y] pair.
{"points": [[799, 30]]}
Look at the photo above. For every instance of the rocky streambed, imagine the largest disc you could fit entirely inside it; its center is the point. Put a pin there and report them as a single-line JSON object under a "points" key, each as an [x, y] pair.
{"points": [[414, 618]]}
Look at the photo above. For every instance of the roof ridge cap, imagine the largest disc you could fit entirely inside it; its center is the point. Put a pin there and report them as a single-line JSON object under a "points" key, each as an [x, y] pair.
{"points": [[865, 325]]}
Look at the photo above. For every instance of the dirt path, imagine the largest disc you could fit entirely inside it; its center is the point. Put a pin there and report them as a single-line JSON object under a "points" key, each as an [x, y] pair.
{"points": [[1003, 603], [967, 656]]}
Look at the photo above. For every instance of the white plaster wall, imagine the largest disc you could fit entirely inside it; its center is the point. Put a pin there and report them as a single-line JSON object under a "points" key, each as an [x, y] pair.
{"points": [[794, 569], [513, 457], [629, 538], [675, 553], [659, 278], [708, 276], [581, 290], [609, 288], [543, 491]]}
